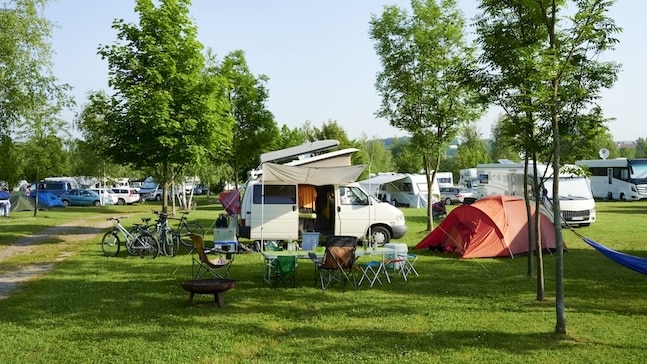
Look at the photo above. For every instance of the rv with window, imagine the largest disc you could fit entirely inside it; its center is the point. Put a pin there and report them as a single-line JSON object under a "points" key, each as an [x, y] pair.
{"points": [[402, 189], [617, 179], [469, 178], [575, 197]]}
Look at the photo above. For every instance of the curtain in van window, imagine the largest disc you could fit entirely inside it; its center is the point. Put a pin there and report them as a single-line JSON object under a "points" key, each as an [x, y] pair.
{"points": [[307, 197]]}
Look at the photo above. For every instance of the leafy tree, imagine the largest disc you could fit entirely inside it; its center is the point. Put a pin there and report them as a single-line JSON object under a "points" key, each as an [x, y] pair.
{"points": [[167, 109], [253, 123], [470, 152], [26, 75], [423, 58], [405, 157], [502, 144], [374, 154], [10, 166], [291, 137], [30, 96], [545, 68], [331, 130], [641, 148]]}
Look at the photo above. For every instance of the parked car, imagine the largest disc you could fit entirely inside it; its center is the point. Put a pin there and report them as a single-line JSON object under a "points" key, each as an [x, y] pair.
{"points": [[451, 195], [200, 190], [108, 197], [125, 196], [80, 197]]}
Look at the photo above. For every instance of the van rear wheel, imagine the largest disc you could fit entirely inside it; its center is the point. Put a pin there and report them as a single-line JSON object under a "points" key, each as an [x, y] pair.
{"points": [[380, 235]]}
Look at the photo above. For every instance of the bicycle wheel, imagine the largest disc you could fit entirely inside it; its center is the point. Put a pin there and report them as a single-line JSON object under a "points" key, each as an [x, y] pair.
{"points": [[168, 243], [110, 244], [189, 228], [146, 246], [135, 231]]}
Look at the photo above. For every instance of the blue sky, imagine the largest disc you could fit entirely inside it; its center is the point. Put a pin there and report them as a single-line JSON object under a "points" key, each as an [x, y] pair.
{"points": [[317, 54]]}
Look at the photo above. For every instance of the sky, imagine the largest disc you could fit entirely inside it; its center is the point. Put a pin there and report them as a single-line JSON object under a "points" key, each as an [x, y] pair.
{"points": [[318, 56]]}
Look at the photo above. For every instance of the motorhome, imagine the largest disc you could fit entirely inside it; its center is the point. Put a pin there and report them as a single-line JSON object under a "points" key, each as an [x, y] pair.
{"points": [[402, 189], [617, 179], [575, 199], [281, 202]]}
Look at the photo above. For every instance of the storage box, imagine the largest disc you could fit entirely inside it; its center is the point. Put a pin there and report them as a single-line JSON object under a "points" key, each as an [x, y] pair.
{"points": [[401, 250], [224, 239], [309, 241]]}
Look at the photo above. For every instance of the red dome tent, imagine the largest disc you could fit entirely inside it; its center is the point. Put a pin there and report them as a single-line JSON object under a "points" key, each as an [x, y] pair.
{"points": [[494, 226]]}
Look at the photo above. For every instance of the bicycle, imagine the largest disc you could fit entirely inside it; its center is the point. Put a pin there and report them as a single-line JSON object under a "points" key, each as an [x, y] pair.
{"points": [[168, 239], [185, 228], [142, 244]]}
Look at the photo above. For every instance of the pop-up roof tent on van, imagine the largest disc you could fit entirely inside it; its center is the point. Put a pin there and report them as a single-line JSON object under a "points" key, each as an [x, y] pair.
{"points": [[311, 175]]}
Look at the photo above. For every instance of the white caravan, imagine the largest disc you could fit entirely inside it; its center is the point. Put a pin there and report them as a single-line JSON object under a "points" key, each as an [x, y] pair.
{"points": [[282, 202], [401, 189], [469, 178], [576, 200], [617, 179]]}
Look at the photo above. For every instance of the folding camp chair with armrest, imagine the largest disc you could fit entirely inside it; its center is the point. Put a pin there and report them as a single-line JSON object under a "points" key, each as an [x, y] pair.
{"points": [[218, 268], [338, 261]]}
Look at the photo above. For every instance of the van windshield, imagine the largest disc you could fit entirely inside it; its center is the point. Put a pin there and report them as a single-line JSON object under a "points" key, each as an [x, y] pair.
{"points": [[570, 187]]}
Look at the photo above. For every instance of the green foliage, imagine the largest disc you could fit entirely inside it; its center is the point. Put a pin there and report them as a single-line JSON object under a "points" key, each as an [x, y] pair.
{"points": [[29, 89], [470, 152], [10, 168], [167, 111], [424, 56], [253, 123], [374, 155], [544, 70], [291, 138]]}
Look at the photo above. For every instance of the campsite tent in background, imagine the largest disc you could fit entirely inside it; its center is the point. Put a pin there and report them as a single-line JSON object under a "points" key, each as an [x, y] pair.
{"points": [[20, 202], [494, 226], [48, 199]]}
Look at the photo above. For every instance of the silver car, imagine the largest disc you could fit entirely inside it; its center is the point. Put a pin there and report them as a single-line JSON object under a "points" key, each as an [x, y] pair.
{"points": [[451, 195]]}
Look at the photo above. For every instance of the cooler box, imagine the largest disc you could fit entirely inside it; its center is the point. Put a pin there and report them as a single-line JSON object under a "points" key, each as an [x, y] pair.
{"points": [[309, 241], [224, 239], [401, 249]]}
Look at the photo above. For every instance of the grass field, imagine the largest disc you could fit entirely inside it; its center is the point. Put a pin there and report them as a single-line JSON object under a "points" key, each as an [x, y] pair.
{"points": [[93, 309]]}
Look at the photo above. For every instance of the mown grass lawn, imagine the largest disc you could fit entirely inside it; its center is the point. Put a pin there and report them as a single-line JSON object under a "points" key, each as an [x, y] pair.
{"points": [[128, 310]]}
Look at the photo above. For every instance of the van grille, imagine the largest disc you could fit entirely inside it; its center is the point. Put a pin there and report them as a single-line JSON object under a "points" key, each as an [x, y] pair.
{"points": [[580, 215]]}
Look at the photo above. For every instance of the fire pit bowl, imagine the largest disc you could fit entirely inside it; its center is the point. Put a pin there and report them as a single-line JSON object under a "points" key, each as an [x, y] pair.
{"points": [[215, 286]]}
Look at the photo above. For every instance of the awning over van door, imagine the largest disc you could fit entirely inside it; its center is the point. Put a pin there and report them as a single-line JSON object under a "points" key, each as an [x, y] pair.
{"points": [[317, 176]]}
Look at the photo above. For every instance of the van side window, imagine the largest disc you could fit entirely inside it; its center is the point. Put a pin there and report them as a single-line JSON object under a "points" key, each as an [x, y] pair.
{"points": [[352, 196], [276, 194]]}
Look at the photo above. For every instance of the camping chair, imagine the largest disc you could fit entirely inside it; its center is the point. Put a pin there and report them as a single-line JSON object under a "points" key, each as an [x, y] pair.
{"points": [[201, 264], [371, 272], [283, 270], [410, 264], [338, 261], [317, 263], [398, 264]]}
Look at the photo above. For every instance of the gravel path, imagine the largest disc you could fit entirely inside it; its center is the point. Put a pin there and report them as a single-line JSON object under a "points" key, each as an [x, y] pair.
{"points": [[79, 230]]}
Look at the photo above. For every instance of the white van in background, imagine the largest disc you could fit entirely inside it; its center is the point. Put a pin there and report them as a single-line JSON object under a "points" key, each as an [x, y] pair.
{"points": [[575, 197]]}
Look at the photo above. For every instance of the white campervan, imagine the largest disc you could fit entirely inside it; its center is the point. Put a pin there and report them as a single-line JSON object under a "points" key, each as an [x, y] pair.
{"points": [[284, 201], [575, 197]]}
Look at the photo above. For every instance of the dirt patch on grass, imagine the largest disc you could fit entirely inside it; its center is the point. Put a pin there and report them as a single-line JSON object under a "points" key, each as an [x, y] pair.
{"points": [[74, 231]]}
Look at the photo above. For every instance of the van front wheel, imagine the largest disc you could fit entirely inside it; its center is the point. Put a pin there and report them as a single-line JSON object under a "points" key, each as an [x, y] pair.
{"points": [[380, 235]]}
